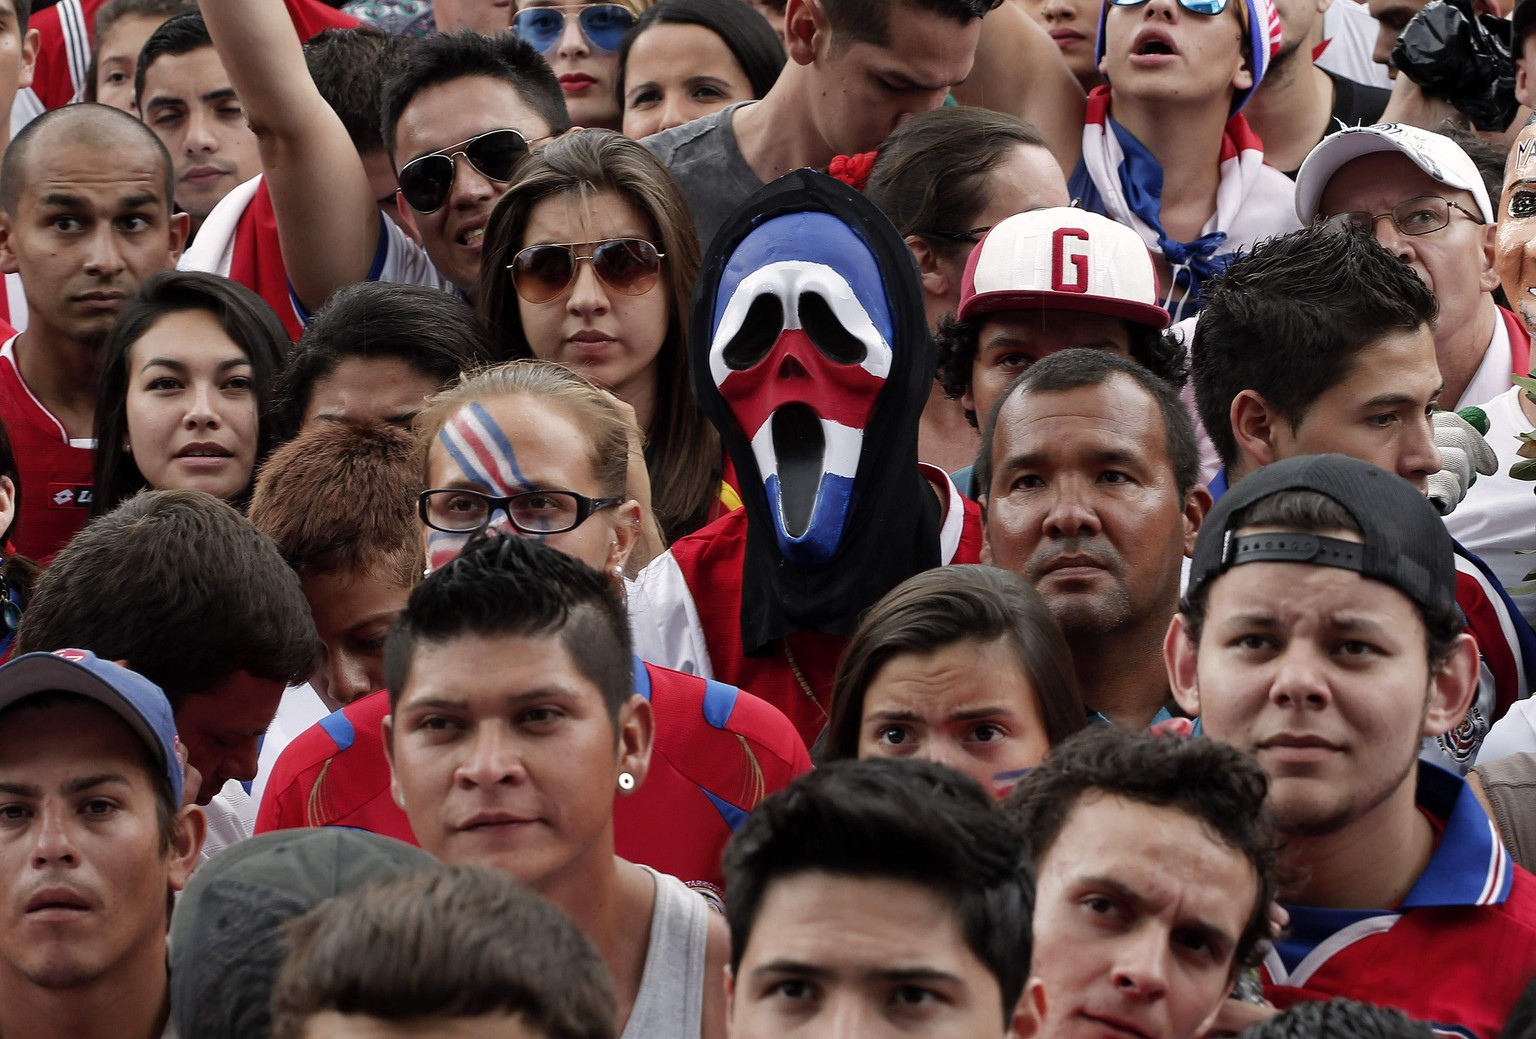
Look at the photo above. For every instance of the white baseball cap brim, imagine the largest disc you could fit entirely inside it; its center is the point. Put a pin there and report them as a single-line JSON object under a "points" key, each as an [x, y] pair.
{"points": [[1438, 156]]}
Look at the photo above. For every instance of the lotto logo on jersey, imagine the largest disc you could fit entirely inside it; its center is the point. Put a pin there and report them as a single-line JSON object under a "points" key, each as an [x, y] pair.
{"points": [[71, 495]]}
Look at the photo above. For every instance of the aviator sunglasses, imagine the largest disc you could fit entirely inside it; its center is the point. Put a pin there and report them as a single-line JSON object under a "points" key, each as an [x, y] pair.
{"points": [[426, 182], [628, 265], [1205, 7], [604, 25]]}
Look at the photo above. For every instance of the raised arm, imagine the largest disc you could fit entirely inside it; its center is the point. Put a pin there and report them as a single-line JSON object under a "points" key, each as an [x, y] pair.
{"points": [[1019, 70], [327, 219]]}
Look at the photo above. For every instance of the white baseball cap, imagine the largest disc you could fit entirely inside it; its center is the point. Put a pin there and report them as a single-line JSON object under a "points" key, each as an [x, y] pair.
{"points": [[1435, 154], [1062, 259]]}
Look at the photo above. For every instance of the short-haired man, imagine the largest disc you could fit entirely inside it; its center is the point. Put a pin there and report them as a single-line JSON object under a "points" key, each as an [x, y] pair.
{"points": [[1091, 488], [239, 240], [1044, 281], [1299, 103], [1156, 870], [85, 217], [183, 94], [471, 103], [95, 841], [856, 68], [456, 950], [1423, 199], [340, 501], [815, 950], [1347, 366], [1320, 634], [1166, 150], [183, 588]]}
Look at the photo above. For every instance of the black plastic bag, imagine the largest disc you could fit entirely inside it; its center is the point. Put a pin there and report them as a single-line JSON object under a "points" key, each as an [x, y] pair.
{"points": [[1462, 58]]}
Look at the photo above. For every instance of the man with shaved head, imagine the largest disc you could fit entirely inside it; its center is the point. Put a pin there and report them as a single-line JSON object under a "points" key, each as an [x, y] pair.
{"points": [[85, 217]]}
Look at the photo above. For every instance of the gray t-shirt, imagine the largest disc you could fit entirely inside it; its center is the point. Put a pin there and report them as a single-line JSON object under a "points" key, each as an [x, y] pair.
{"points": [[704, 158]]}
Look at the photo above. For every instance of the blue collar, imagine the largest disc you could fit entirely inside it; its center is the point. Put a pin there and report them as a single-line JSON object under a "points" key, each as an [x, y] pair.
{"points": [[1470, 866], [1218, 484], [1095, 718]]}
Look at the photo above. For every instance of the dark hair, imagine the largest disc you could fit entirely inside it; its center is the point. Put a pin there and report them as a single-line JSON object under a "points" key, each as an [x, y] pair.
{"points": [[182, 587], [1208, 780], [341, 497], [683, 450], [743, 30], [1340, 1019], [1288, 320], [18, 572], [1075, 369], [869, 21], [179, 34], [114, 11], [945, 606], [435, 332], [445, 57], [516, 586], [909, 821], [957, 342], [450, 941], [1310, 512], [244, 317], [1521, 1023], [92, 125], [349, 67], [23, 15], [930, 173]]}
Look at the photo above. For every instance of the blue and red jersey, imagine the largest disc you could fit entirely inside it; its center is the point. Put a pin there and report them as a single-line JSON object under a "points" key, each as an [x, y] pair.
{"points": [[718, 752]]}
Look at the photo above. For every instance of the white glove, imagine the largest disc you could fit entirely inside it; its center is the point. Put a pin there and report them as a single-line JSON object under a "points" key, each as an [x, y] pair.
{"points": [[1463, 455]]}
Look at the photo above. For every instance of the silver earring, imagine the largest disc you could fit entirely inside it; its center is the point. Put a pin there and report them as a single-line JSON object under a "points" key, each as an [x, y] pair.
{"points": [[618, 571], [400, 798], [626, 782]]}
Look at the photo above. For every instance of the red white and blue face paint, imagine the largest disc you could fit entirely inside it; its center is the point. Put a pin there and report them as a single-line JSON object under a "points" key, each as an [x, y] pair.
{"points": [[484, 454], [800, 353]]}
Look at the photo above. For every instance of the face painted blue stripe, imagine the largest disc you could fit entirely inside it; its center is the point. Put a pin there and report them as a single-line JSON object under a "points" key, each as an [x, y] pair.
{"points": [[494, 433], [466, 463]]}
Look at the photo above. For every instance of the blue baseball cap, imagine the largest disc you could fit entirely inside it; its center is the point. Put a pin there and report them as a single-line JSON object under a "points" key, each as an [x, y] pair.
{"points": [[134, 698]]}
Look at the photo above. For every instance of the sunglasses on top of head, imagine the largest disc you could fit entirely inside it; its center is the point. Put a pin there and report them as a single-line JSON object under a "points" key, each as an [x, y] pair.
{"points": [[604, 25], [1206, 7], [427, 181]]}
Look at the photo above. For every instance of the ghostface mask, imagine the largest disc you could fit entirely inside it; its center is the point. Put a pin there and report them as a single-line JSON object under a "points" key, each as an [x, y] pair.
{"points": [[809, 352]]}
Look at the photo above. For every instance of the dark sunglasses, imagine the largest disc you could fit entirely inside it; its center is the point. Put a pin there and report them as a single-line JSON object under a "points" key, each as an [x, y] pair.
{"points": [[604, 25], [1206, 7], [629, 265], [426, 182]]}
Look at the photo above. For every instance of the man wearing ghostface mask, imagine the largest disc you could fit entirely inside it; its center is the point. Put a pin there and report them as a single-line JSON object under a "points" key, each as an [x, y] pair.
{"points": [[811, 358]]}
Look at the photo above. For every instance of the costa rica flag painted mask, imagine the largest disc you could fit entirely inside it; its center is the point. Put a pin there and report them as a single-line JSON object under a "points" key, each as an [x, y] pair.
{"points": [[810, 354]]}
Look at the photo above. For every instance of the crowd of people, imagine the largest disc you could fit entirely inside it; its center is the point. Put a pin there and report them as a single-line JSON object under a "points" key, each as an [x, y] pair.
{"points": [[687, 519]]}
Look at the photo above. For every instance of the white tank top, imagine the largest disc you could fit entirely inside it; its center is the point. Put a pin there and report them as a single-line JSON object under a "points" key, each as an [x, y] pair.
{"points": [[670, 1003]]}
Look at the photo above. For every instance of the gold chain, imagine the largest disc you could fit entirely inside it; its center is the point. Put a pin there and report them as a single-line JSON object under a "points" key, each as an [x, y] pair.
{"points": [[805, 687]]}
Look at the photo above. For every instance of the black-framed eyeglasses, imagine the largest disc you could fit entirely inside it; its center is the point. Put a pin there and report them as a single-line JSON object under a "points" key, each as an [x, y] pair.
{"points": [[426, 182], [456, 510], [1423, 214], [973, 235]]}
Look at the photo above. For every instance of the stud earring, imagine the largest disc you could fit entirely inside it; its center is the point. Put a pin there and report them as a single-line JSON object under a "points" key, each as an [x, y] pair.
{"points": [[626, 782]]}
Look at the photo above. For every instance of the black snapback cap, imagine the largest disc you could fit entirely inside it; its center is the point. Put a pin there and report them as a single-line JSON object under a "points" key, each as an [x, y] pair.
{"points": [[1406, 544]]}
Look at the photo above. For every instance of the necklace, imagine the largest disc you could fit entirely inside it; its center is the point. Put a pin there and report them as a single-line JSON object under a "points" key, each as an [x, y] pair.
{"points": [[805, 687]]}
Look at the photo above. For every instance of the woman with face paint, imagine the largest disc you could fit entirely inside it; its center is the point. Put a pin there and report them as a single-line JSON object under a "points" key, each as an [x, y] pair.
{"points": [[186, 382], [530, 449], [589, 260], [580, 41], [962, 665]]}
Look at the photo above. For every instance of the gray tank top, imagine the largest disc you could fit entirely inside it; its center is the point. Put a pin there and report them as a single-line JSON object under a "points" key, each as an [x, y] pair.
{"points": [[670, 1003]]}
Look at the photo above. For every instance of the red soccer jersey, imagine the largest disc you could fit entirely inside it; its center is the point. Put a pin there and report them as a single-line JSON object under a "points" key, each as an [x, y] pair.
{"points": [[55, 471], [797, 677], [718, 752], [1458, 951]]}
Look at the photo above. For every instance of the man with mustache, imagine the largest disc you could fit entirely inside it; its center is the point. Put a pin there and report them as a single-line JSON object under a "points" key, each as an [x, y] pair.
{"points": [[1090, 480], [95, 841]]}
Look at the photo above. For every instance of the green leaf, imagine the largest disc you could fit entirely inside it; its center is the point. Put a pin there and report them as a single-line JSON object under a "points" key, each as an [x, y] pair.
{"points": [[1524, 470]]}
